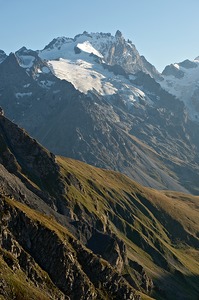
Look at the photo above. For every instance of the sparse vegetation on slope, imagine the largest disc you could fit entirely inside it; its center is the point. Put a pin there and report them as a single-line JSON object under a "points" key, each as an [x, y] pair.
{"points": [[159, 229], [88, 232]]}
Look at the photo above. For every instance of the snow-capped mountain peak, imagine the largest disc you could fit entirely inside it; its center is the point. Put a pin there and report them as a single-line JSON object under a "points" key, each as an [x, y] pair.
{"points": [[63, 47], [113, 49], [182, 80], [98, 62], [95, 98], [84, 62]]}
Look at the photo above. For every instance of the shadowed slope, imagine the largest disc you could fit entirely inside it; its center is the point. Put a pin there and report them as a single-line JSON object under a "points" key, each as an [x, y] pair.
{"points": [[96, 225]]}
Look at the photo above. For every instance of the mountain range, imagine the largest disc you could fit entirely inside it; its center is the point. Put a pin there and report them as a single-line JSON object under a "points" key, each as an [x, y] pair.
{"points": [[99, 172], [95, 99]]}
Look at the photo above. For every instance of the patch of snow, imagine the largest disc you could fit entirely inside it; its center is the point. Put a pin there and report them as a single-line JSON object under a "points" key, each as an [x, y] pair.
{"points": [[132, 77], [81, 75], [46, 83], [87, 47], [26, 85], [177, 66], [21, 95], [62, 50], [56, 91], [26, 61]]}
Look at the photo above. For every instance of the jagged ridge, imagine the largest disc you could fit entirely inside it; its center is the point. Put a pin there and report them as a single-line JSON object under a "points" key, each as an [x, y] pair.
{"points": [[147, 236]]}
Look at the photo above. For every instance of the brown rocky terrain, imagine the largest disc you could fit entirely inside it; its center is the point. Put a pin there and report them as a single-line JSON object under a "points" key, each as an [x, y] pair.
{"points": [[72, 231]]}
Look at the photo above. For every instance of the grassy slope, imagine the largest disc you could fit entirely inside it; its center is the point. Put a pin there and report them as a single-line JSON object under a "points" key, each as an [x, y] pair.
{"points": [[160, 229], [16, 283], [17, 286]]}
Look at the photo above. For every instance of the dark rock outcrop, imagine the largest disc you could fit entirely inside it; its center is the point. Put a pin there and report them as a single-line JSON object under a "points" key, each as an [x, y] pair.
{"points": [[74, 272], [171, 70]]}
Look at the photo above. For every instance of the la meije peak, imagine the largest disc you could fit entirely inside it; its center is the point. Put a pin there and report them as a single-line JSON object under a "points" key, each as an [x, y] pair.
{"points": [[70, 230], [95, 99]]}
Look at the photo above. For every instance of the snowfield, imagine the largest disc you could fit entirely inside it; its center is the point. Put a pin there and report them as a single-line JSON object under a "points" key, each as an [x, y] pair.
{"points": [[80, 62], [82, 76]]}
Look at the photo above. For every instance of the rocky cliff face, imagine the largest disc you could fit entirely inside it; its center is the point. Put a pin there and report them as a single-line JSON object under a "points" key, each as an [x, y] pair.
{"points": [[124, 53], [24, 157], [2, 56], [93, 234], [181, 80], [118, 118], [36, 250]]}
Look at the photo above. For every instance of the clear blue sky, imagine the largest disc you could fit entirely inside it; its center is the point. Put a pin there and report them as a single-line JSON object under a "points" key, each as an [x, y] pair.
{"points": [[164, 31]]}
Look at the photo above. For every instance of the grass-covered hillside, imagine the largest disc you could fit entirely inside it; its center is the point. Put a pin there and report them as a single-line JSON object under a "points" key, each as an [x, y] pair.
{"points": [[72, 231], [160, 230]]}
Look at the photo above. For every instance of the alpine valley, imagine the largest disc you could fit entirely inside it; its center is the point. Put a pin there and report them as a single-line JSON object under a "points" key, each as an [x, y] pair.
{"points": [[126, 226]]}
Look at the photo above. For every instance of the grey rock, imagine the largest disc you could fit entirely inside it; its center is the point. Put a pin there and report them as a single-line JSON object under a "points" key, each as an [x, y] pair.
{"points": [[2, 56], [172, 70], [187, 64]]}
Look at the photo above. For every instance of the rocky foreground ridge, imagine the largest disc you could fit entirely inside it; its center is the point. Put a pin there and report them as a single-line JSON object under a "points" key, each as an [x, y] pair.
{"points": [[35, 249], [72, 231]]}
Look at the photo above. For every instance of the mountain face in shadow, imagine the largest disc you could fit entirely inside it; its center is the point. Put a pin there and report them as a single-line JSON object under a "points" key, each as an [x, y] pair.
{"points": [[95, 99], [74, 231]]}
